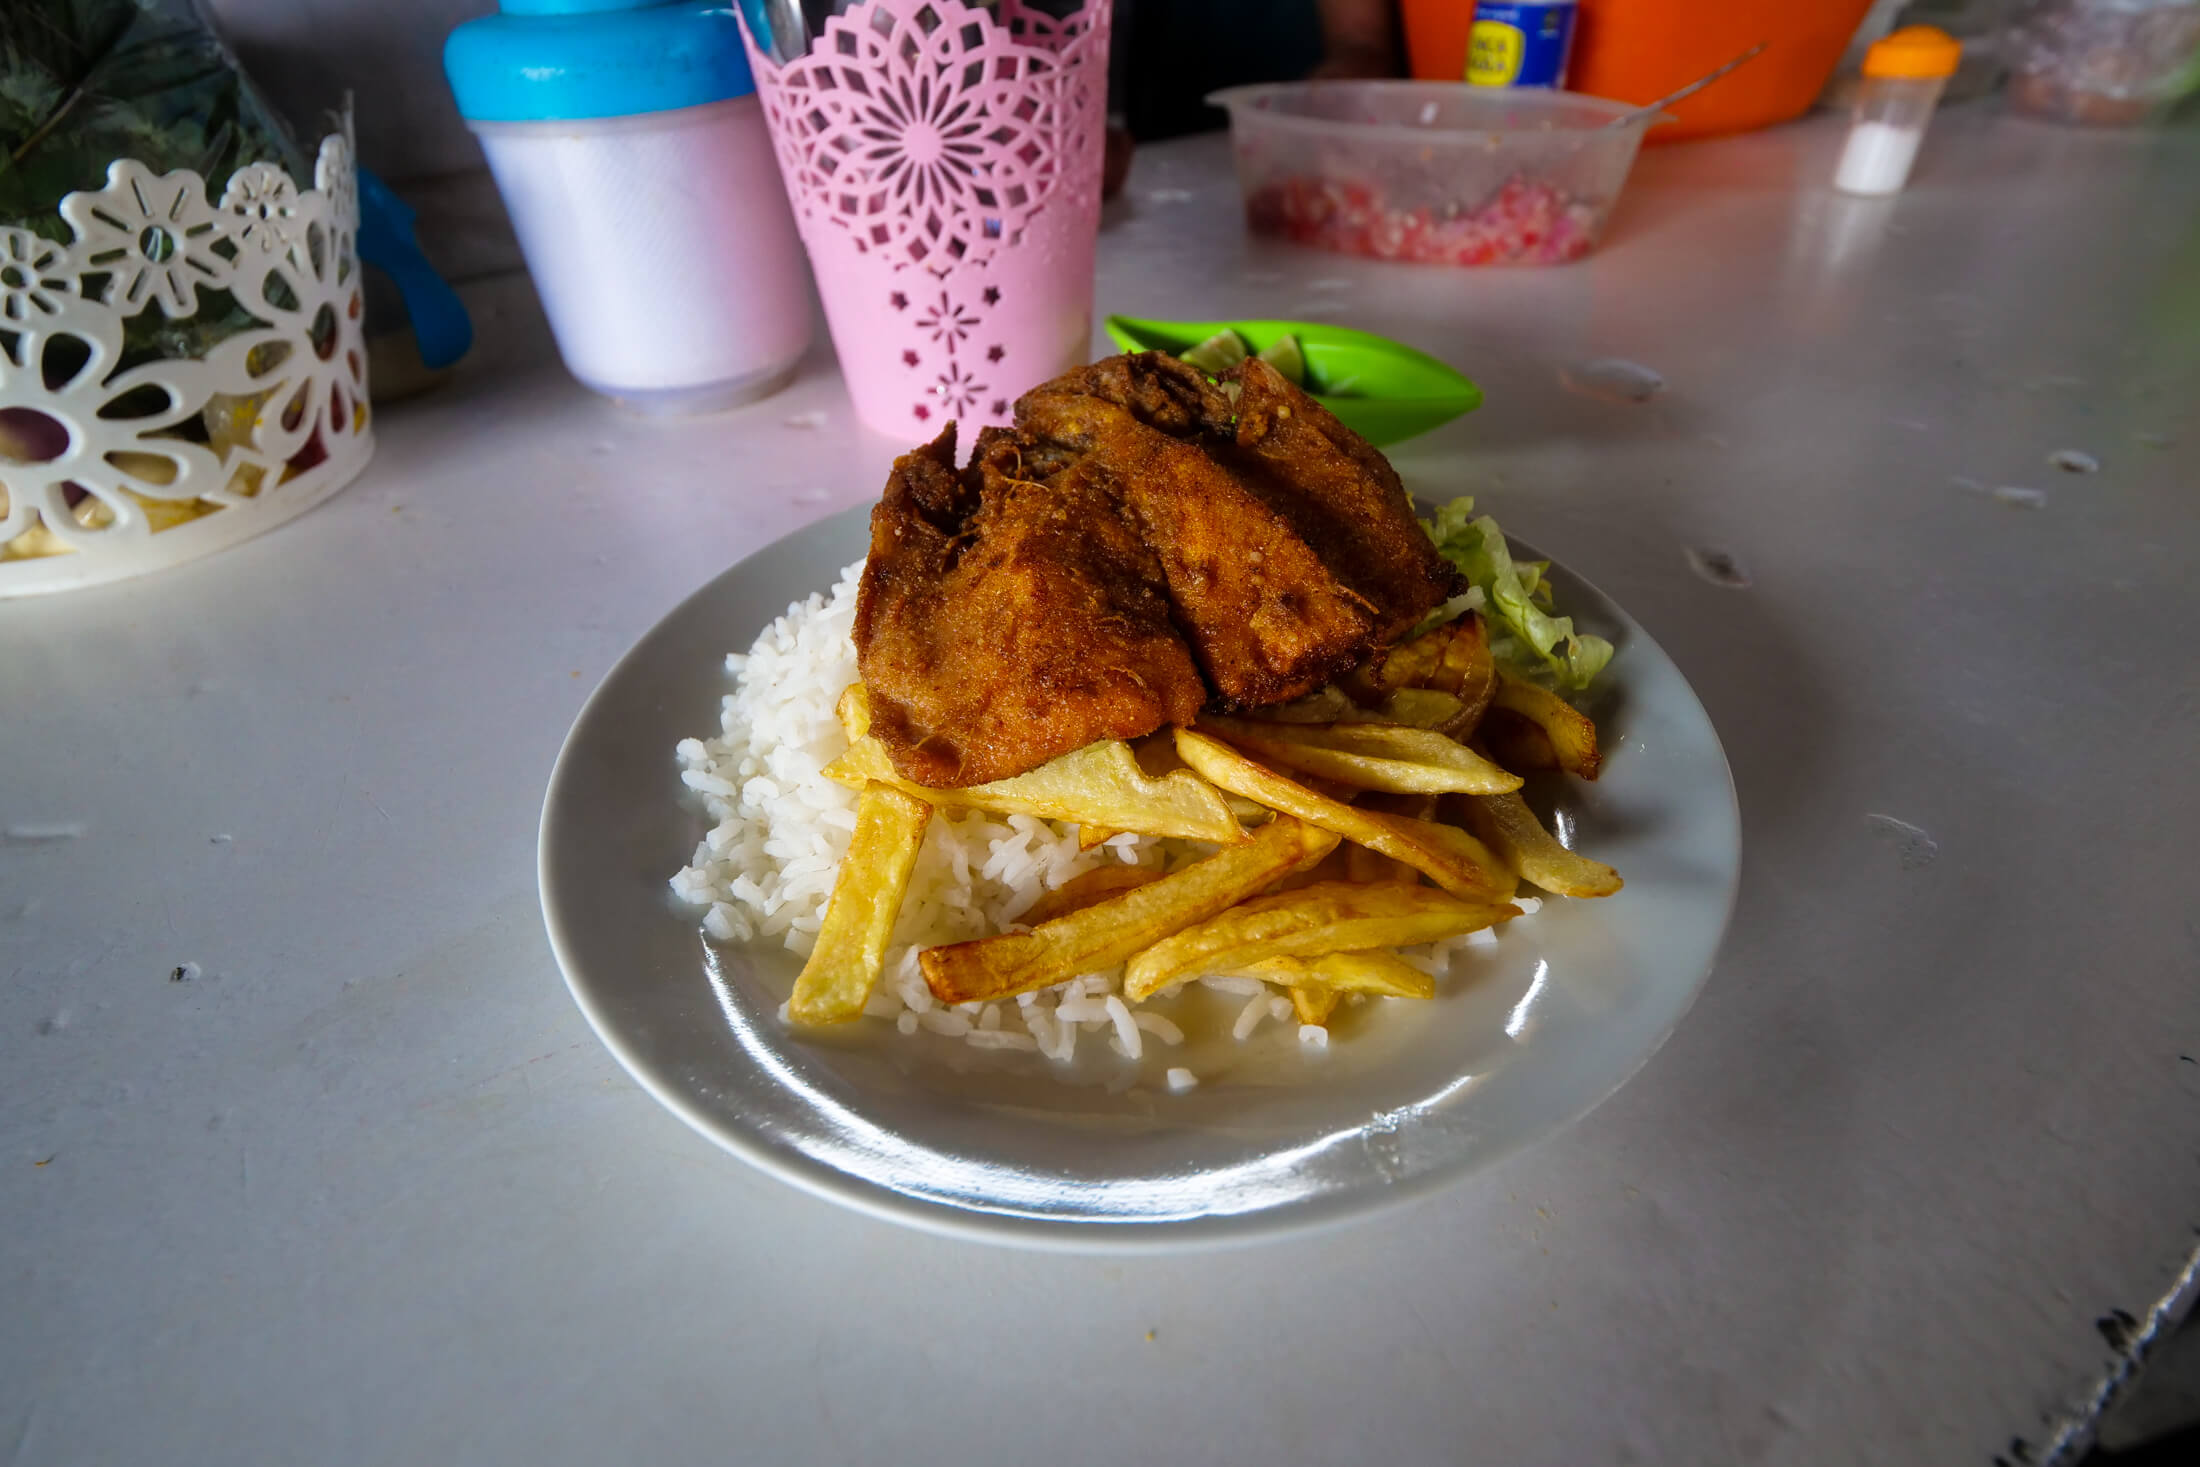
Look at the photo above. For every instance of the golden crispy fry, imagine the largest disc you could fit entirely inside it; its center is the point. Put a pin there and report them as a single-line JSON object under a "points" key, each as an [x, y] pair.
{"points": [[1467, 673], [1407, 665], [851, 943], [1366, 866], [1373, 756], [1470, 869], [1157, 756], [1363, 864], [1463, 668], [1573, 736], [1453, 659], [1414, 708], [1099, 785], [1515, 741], [1418, 806], [1459, 867], [1080, 892], [1373, 971], [853, 709], [1092, 837], [1313, 1002], [1330, 789], [1408, 707], [1333, 866], [1323, 705], [1109, 931], [1510, 828], [1100, 788], [1328, 917]]}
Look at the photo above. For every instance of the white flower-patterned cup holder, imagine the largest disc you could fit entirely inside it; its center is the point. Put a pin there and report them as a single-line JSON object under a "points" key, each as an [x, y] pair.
{"points": [[127, 444]]}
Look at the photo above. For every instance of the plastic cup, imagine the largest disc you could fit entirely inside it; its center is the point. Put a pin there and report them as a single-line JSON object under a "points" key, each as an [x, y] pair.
{"points": [[666, 286], [943, 162]]}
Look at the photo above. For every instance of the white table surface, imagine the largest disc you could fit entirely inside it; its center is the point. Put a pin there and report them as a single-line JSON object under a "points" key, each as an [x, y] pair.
{"points": [[368, 1191]]}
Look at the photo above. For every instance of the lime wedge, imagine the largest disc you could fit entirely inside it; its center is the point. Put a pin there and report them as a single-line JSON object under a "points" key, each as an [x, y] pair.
{"points": [[1218, 353], [1286, 358]]}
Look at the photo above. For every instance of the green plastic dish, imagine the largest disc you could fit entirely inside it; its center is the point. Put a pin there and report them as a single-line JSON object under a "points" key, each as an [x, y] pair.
{"points": [[1383, 390]]}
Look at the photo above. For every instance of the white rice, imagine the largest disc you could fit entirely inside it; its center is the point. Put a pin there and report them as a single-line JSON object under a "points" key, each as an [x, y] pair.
{"points": [[1126, 1027], [765, 870]]}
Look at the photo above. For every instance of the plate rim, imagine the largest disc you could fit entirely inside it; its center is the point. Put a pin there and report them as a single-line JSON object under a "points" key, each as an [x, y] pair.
{"points": [[1070, 1235]]}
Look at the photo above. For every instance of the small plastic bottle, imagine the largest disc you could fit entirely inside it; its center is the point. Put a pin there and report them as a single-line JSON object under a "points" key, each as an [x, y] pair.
{"points": [[1904, 75], [631, 152]]}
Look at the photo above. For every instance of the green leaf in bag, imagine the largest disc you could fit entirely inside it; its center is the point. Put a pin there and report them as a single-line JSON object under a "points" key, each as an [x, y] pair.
{"points": [[85, 82]]}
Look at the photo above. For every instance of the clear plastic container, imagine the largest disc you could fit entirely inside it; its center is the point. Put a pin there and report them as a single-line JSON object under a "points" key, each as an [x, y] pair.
{"points": [[1887, 128], [2105, 63], [1431, 172], [1904, 75]]}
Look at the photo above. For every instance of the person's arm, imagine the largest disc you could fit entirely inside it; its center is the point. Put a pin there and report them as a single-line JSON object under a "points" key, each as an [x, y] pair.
{"points": [[1359, 38]]}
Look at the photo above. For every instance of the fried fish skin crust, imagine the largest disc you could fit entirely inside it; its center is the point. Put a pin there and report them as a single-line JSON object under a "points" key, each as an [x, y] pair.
{"points": [[1003, 621], [1290, 547], [1137, 547]]}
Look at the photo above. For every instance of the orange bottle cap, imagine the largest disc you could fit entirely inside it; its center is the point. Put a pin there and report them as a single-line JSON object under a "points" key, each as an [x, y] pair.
{"points": [[1916, 52]]}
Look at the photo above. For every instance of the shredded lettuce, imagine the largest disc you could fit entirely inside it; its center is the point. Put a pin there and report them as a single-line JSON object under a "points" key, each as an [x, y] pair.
{"points": [[1516, 596]]}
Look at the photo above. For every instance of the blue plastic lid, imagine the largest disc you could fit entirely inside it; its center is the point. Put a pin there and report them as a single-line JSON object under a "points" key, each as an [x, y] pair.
{"points": [[562, 60]]}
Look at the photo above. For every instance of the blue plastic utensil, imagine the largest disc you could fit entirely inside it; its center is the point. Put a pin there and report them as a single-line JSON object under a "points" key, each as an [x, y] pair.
{"points": [[440, 324]]}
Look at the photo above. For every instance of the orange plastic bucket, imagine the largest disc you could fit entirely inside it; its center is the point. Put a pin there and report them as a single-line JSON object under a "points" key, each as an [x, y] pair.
{"points": [[1638, 50]]}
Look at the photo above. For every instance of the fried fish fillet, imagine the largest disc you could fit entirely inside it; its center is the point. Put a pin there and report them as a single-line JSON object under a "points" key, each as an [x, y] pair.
{"points": [[1139, 546], [1005, 620], [1290, 547]]}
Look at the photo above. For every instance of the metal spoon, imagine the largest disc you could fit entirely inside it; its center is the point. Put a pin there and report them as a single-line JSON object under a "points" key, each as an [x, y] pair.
{"points": [[1626, 119]]}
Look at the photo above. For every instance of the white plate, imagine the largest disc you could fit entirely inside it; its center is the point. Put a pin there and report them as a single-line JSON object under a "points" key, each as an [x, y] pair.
{"points": [[1526, 1036]]}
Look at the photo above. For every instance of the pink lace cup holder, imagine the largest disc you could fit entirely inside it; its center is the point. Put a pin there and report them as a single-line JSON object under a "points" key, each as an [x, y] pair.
{"points": [[944, 167]]}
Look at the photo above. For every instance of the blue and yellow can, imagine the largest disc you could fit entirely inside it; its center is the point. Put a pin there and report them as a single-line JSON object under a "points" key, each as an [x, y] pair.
{"points": [[1524, 45]]}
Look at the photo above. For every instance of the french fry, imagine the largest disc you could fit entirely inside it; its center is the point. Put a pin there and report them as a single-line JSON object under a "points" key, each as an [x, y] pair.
{"points": [[1109, 931], [851, 942], [1510, 829], [1453, 659], [1366, 866], [853, 709], [1099, 785], [1323, 705], [1157, 758], [1362, 864], [1099, 788], [1412, 707], [1333, 866], [1515, 742], [1465, 870], [1419, 806], [1407, 665], [1328, 917], [1313, 1002], [1467, 673], [1471, 869], [1572, 734], [1374, 756], [1080, 892], [1092, 837], [1374, 971]]}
